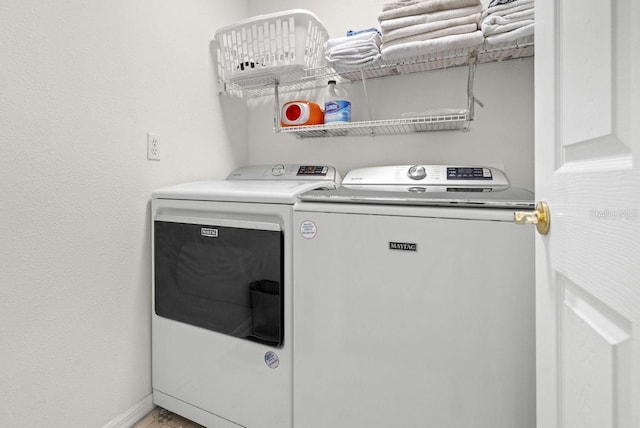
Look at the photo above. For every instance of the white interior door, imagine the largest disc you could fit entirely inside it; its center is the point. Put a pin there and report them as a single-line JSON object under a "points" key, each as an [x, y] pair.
{"points": [[588, 170]]}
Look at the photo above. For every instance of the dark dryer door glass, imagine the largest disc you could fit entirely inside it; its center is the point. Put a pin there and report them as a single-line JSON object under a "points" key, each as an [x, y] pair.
{"points": [[225, 279]]}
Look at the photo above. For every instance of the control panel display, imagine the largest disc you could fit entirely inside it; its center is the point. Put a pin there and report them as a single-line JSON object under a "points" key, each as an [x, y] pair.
{"points": [[468, 173], [312, 170]]}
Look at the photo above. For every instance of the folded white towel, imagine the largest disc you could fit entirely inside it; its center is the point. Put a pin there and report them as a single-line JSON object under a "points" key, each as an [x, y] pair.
{"points": [[505, 9], [460, 29], [413, 30], [353, 59], [355, 63], [426, 47], [399, 4], [508, 22], [512, 35], [494, 3], [489, 28], [357, 40], [519, 15], [353, 52], [351, 48], [426, 6], [425, 18]]}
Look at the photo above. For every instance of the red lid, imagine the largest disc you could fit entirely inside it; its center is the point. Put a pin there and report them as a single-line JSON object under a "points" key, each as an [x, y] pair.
{"points": [[293, 112]]}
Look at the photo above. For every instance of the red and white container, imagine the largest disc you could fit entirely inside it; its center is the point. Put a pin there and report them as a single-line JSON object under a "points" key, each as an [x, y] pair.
{"points": [[300, 113]]}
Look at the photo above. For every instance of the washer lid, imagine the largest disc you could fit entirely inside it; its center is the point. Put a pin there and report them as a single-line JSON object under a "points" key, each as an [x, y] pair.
{"points": [[278, 184], [512, 197], [436, 185]]}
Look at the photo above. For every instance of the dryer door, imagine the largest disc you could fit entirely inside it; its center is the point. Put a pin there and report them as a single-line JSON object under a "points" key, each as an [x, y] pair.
{"points": [[221, 275]]}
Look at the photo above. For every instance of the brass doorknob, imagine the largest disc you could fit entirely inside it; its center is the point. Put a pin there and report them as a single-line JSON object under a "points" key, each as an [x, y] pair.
{"points": [[540, 217]]}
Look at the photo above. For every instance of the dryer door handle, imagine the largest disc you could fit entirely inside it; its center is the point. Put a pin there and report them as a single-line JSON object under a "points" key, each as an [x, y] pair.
{"points": [[222, 222]]}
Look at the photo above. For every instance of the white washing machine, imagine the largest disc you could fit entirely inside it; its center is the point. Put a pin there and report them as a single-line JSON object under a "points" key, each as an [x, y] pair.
{"points": [[222, 294], [414, 301]]}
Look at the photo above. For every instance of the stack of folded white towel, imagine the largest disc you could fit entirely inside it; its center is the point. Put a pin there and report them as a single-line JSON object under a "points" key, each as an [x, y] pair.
{"points": [[507, 20], [412, 28], [354, 52]]}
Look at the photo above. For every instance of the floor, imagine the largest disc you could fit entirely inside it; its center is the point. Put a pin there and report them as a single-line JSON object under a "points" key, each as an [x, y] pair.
{"points": [[162, 418]]}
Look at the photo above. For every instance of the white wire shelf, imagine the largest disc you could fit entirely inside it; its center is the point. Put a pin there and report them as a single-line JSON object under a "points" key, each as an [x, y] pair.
{"points": [[271, 83], [262, 82], [410, 125]]}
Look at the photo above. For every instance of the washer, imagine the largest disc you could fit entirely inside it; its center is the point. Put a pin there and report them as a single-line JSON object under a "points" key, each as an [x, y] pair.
{"points": [[414, 301], [222, 291]]}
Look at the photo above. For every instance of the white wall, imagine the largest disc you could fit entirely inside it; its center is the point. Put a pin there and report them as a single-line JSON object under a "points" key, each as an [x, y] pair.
{"points": [[502, 134], [81, 83]]}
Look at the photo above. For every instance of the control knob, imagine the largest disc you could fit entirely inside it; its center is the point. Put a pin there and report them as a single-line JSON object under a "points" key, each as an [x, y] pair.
{"points": [[417, 172], [277, 170]]}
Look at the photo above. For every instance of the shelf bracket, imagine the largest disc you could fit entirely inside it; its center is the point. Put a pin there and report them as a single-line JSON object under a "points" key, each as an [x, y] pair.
{"points": [[471, 99], [276, 104], [366, 99]]}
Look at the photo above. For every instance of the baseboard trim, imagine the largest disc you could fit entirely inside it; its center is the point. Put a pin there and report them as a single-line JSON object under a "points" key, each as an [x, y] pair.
{"points": [[133, 415]]}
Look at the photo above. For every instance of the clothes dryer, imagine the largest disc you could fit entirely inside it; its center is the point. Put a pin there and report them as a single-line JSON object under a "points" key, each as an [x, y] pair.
{"points": [[222, 294], [414, 301]]}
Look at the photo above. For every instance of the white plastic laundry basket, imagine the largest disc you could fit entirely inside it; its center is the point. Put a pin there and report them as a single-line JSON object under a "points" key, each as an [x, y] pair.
{"points": [[270, 44]]}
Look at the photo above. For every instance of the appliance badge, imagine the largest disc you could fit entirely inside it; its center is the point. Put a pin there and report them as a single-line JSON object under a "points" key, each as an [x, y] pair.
{"points": [[272, 360], [403, 246], [208, 232]]}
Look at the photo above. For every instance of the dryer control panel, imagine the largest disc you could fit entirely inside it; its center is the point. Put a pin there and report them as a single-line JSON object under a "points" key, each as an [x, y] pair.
{"points": [[296, 172]]}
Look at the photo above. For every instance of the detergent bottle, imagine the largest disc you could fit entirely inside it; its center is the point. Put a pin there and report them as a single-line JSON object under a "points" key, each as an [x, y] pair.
{"points": [[337, 107]]}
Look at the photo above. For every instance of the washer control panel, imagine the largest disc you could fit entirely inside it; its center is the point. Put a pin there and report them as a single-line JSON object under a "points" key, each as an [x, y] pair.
{"points": [[418, 176]]}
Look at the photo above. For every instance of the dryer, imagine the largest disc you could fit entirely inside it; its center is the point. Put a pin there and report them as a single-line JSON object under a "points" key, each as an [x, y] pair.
{"points": [[414, 301], [222, 294]]}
